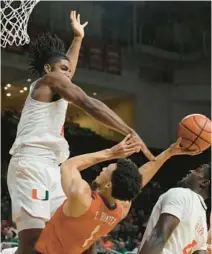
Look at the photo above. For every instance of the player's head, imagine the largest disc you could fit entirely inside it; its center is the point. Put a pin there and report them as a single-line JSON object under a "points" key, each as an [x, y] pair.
{"points": [[198, 180], [47, 54], [120, 180]]}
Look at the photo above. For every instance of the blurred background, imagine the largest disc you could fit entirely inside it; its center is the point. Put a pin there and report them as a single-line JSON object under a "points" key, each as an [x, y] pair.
{"points": [[148, 61]]}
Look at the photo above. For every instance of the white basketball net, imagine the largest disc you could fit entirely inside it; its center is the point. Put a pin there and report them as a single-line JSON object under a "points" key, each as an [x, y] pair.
{"points": [[14, 19]]}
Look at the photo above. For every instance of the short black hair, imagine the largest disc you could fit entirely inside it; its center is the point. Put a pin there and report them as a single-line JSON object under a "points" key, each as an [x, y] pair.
{"points": [[207, 170], [126, 180], [47, 49], [207, 175]]}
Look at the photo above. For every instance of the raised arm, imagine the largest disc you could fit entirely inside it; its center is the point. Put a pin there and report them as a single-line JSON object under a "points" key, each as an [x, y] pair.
{"points": [[60, 84], [76, 189], [73, 51], [122, 150], [149, 169]]}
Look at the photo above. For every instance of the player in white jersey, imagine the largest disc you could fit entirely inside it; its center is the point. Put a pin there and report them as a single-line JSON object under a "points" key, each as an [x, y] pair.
{"points": [[209, 242], [34, 174], [177, 224]]}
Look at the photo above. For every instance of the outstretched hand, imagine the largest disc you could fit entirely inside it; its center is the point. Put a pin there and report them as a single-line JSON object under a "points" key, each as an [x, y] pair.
{"points": [[77, 27], [143, 148], [125, 148], [177, 149]]}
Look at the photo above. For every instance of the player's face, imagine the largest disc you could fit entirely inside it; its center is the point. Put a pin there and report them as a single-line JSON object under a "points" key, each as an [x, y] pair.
{"points": [[105, 175], [62, 66], [193, 179]]}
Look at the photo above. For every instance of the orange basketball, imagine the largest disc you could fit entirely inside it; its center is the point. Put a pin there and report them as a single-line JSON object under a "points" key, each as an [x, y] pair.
{"points": [[195, 131]]}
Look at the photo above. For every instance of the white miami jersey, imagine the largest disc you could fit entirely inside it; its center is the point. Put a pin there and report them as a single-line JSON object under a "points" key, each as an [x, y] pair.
{"points": [[191, 233], [41, 126]]}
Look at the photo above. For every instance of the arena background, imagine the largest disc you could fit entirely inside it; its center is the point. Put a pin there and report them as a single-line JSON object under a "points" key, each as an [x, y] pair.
{"points": [[149, 61]]}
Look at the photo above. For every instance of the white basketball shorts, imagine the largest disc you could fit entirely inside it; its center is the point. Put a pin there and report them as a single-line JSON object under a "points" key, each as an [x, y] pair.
{"points": [[34, 184]]}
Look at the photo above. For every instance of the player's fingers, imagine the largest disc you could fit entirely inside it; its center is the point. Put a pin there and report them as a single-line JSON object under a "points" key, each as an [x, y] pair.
{"points": [[85, 24], [179, 140], [188, 152], [78, 18], [72, 15], [130, 152], [131, 140], [195, 152], [127, 138], [133, 145]]}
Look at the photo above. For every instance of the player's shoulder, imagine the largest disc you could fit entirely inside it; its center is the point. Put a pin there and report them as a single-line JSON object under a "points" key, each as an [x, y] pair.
{"points": [[178, 190], [124, 207], [54, 79], [178, 193]]}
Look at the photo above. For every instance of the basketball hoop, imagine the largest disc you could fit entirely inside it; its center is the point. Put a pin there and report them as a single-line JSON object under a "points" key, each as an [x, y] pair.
{"points": [[14, 19]]}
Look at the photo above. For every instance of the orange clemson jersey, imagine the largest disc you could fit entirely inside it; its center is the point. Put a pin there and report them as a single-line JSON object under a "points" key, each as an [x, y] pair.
{"points": [[69, 235]]}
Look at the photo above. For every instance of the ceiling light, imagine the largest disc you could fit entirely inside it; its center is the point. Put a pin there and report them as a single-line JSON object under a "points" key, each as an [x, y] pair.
{"points": [[8, 94], [94, 94], [8, 85], [21, 91], [25, 88], [5, 88], [29, 80]]}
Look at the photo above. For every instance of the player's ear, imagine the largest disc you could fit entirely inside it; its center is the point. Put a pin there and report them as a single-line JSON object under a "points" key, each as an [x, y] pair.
{"points": [[108, 185], [47, 68], [205, 183]]}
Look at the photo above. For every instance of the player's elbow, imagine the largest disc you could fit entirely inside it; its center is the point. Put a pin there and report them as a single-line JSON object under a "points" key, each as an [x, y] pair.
{"points": [[54, 79], [159, 238], [76, 191], [73, 163], [67, 165], [156, 241]]}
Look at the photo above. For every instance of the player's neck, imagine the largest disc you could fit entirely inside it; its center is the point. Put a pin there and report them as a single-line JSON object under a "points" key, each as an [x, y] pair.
{"points": [[201, 193], [108, 199]]}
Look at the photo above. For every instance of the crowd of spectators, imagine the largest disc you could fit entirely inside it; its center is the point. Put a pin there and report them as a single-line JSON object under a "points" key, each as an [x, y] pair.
{"points": [[128, 234]]}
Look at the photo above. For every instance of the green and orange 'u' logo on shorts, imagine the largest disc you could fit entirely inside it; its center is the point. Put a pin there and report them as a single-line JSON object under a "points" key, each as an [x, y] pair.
{"points": [[35, 195]]}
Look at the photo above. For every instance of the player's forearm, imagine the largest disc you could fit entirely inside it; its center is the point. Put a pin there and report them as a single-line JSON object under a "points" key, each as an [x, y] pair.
{"points": [[154, 245], [73, 53], [107, 117], [84, 161], [149, 169]]}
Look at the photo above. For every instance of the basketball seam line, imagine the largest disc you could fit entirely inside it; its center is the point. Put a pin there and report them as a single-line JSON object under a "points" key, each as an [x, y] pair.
{"points": [[195, 133], [200, 126], [193, 142]]}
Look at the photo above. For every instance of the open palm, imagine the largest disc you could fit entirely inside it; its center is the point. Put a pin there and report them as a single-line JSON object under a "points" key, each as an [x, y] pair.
{"points": [[78, 28]]}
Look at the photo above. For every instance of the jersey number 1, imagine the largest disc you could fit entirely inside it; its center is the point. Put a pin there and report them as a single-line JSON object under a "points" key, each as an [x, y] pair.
{"points": [[188, 249], [96, 229]]}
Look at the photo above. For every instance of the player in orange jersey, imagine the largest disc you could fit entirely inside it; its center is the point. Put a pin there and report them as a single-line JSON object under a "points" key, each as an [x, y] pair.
{"points": [[86, 215]]}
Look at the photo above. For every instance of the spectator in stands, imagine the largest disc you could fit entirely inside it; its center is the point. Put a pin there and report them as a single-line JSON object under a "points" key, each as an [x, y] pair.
{"points": [[121, 247], [106, 243], [10, 239], [137, 244]]}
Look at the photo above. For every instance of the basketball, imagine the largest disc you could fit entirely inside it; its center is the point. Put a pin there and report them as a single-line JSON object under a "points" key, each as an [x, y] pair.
{"points": [[195, 131]]}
